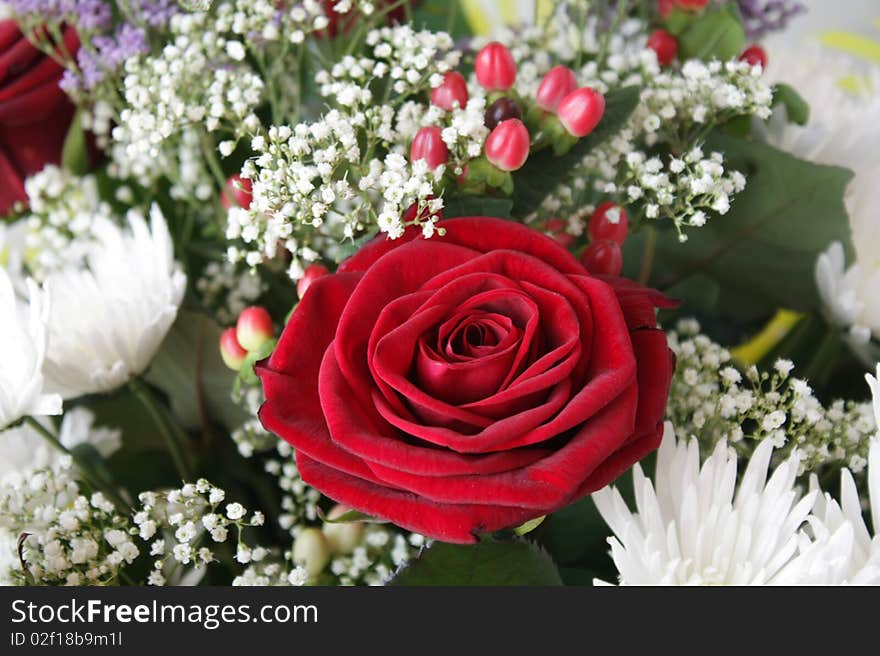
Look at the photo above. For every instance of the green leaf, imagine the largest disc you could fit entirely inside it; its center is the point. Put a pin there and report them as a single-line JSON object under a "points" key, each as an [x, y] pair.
{"points": [[530, 525], [543, 171], [477, 206], [247, 373], [796, 108], [763, 252], [351, 246], [486, 563], [75, 152], [189, 370], [715, 34]]}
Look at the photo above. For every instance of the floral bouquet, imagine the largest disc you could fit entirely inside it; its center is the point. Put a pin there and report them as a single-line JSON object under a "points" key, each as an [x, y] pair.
{"points": [[342, 292]]}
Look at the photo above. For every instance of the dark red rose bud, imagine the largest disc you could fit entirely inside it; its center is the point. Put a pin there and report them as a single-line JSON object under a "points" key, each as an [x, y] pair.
{"points": [[312, 273], [452, 92], [508, 145], [495, 68], [231, 351], [581, 110], [755, 56], [238, 192], [254, 328], [501, 110], [603, 258], [610, 222], [556, 85], [665, 45], [429, 146]]}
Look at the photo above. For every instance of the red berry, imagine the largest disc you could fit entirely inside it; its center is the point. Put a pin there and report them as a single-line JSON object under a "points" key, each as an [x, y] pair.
{"points": [[666, 6], [665, 45], [453, 90], [610, 222], [238, 191], [755, 56], [581, 110], [429, 146], [495, 68], [603, 258], [254, 328], [231, 351], [311, 274], [508, 145], [556, 85]]}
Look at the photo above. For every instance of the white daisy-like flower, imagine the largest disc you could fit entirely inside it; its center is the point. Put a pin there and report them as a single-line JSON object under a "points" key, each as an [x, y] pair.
{"points": [[845, 552], [112, 316], [694, 527], [23, 338], [839, 101]]}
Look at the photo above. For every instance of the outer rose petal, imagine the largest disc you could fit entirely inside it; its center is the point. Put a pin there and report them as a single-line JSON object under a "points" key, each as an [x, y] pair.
{"points": [[479, 233]]}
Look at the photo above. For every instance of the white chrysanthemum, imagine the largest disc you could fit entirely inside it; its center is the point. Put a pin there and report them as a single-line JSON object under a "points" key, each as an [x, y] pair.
{"points": [[845, 551], [838, 102], [111, 317], [22, 448], [23, 335], [696, 528]]}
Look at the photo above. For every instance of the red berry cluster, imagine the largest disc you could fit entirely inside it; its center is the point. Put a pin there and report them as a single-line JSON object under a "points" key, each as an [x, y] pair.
{"points": [[253, 329], [507, 147], [608, 229]]}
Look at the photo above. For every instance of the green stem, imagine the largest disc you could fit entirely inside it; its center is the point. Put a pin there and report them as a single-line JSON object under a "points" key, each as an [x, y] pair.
{"points": [[648, 258], [83, 466], [175, 438]]}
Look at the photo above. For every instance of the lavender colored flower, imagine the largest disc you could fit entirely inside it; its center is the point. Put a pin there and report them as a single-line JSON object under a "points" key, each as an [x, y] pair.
{"points": [[91, 15], [109, 52], [763, 16], [156, 13]]}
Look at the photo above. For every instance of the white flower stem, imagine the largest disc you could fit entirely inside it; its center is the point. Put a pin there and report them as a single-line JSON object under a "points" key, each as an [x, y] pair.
{"points": [[83, 466], [175, 438]]}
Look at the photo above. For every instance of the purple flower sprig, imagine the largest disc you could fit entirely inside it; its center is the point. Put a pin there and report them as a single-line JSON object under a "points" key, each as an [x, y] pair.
{"points": [[105, 56], [764, 16]]}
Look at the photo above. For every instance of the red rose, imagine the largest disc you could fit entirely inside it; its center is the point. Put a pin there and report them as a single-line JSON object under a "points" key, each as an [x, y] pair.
{"points": [[470, 382], [34, 112]]}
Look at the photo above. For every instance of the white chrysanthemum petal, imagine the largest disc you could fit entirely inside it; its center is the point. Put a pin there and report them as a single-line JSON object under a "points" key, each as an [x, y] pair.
{"points": [[23, 337], [112, 317]]}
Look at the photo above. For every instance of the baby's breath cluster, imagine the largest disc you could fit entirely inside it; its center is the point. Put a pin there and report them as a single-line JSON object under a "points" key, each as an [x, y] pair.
{"points": [[226, 290], [62, 211], [183, 527], [60, 536], [380, 554], [320, 182], [198, 79], [712, 400], [272, 572], [683, 188]]}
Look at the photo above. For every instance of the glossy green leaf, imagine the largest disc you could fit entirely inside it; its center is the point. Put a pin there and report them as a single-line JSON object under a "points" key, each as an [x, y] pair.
{"points": [[485, 563], [763, 252]]}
